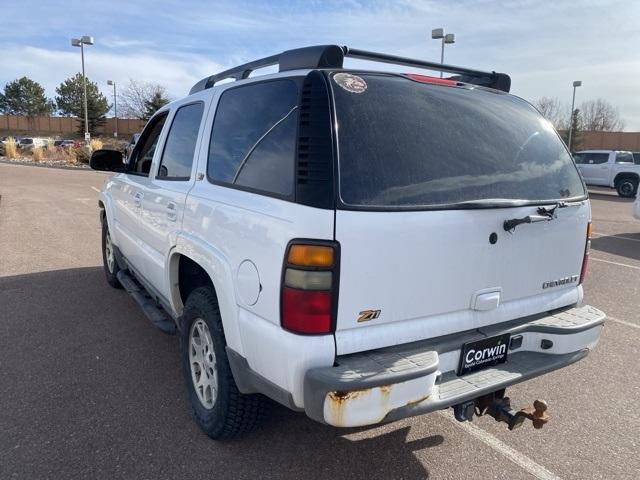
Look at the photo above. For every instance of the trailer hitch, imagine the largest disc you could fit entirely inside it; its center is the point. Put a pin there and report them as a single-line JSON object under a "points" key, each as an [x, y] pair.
{"points": [[499, 407]]}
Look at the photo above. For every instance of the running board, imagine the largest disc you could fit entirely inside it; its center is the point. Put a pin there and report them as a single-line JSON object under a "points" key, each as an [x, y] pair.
{"points": [[155, 314]]}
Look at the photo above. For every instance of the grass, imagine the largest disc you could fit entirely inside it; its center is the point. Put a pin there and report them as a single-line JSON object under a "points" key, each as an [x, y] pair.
{"points": [[95, 144], [38, 154], [74, 156], [10, 148]]}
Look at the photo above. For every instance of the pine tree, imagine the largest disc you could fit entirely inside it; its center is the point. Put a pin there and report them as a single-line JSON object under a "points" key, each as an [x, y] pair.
{"points": [[154, 104], [25, 97], [70, 102]]}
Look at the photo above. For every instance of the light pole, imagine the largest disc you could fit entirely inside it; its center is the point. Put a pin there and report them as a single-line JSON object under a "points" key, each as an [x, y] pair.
{"points": [[115, 106], [81, 42], [437, 34], [576, 84]]}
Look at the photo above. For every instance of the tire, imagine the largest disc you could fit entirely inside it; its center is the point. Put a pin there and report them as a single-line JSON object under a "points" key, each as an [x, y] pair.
{"points": [[109, 262], [627, 187], [225, 413]]}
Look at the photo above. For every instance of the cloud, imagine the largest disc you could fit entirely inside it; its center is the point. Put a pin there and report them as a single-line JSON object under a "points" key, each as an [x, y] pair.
{"points": [[50, 67], [543, 46]]}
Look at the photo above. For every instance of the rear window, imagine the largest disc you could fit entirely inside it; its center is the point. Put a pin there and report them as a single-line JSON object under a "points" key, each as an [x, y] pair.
{"points": [[409, 144]]}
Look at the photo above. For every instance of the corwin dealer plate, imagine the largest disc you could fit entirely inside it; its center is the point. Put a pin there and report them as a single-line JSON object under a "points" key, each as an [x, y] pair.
{"points": [[484, 353]]}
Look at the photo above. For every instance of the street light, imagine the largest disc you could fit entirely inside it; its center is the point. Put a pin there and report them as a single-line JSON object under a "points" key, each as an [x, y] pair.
{"points": [[115, 106], [81, 42], [437, 34], [576, 84]]}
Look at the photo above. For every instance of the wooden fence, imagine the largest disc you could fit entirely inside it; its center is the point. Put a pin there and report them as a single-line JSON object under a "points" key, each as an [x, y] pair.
{"points": [[45, 126], [609, 141]]}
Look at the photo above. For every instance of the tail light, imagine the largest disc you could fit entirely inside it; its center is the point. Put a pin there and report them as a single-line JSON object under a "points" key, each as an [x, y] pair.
{"points": [[585, 258], [309, 289]]}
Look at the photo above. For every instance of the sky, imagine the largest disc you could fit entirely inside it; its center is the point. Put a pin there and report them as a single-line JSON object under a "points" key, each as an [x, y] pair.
{"points": [[544, 46]]}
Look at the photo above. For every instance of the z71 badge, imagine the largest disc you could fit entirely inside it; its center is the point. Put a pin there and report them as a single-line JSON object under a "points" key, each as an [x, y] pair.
{"points": [[366, 315]]}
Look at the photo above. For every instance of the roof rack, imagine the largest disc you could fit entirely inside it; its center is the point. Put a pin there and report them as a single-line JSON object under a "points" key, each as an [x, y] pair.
{"points": [[332, 56]]}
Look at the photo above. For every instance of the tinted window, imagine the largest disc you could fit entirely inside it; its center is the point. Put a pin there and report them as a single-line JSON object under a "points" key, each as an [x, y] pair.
{"points": [[177, 157], [586, 158], [624, 157], [636, 158], [142, 155], [254, 137], [405, 143]]}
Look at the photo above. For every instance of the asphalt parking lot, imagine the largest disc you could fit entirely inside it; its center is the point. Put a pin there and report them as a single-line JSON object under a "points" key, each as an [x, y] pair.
{"points": [[89, 389]]}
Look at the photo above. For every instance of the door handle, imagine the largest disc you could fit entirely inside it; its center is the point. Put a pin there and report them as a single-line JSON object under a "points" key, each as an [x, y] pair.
{"points": [[171, 211], [137, 199]]}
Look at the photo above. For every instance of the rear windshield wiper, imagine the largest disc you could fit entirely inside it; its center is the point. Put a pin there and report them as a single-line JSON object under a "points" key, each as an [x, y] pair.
{"points": [[545, 214]]}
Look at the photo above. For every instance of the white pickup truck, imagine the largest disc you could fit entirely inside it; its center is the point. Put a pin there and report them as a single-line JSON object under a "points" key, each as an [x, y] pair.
{"points": [[359, 245], [610, 168]]}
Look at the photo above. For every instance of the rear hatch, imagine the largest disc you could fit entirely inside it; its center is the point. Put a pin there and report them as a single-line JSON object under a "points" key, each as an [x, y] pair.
{"points": [[428, 174]]}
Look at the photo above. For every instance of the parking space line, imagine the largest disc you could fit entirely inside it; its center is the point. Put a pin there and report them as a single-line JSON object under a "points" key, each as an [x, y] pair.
{"points": [[623, 322], [635, 267], [515, 456], [617, 236], [96, 189]]}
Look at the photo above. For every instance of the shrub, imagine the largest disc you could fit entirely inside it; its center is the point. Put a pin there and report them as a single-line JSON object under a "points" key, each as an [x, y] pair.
{"points": [[95, 144], [51, 151], [10, 148], [81, 154], [69, 155], [38, 154]]}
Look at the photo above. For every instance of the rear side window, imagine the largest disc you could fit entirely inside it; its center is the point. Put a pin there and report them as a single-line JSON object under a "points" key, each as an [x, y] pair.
{"points": [[586, 158], [409, 144], [624, 157], [177, 157], [636, 158], [254, 137]]}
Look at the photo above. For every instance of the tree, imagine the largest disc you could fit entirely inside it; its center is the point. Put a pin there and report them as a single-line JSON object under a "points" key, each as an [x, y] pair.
{"points": [[600, 115], [576, 133], [553, 110], [134, 98], [25, 97], [154, 104], [70, 101]]}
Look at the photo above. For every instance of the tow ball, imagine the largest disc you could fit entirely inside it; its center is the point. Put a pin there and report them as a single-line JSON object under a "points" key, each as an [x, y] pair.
{"points": [[499, 407]]}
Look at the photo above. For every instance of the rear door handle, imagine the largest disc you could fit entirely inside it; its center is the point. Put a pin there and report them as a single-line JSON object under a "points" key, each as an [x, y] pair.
{"points": [[137, 199], [171, 211]]}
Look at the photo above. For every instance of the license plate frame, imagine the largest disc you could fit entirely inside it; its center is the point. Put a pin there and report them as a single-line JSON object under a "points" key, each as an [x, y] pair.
{"points": [[484, 353]]}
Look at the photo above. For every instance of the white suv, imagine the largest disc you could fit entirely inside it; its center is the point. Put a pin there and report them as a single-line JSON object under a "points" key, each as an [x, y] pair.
{"points": [[361, 246]]}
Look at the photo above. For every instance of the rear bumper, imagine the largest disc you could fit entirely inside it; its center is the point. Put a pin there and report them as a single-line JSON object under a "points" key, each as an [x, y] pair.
{"points": [[406, 380]]}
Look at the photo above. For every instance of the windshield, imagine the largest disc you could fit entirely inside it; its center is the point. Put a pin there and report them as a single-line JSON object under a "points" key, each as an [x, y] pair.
{"points": [[409, 144]]}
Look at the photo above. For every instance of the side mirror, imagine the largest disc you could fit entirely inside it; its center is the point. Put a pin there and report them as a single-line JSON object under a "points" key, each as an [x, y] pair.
{"points": [[106, 160]]}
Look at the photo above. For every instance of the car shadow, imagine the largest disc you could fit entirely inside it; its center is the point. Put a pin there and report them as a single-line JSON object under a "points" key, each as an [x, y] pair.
{"points": [[623, 244], [91, 389]]}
